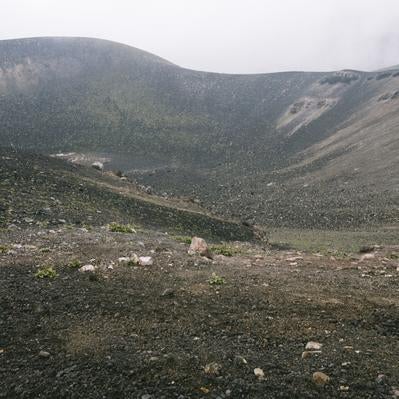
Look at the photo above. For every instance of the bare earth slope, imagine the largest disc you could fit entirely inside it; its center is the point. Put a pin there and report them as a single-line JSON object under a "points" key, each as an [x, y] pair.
{"points": [[42, 191], [149, 332]]}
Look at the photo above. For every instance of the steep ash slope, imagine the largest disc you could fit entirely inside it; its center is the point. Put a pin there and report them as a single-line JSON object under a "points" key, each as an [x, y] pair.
{"points": [[253, 141]]}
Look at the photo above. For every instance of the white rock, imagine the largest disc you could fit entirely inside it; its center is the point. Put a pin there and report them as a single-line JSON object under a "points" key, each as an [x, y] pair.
{"points": [[259, 374], [146, 261], [87, 268], [198, 246], [313, 346], [366, 257], [98, 166]]}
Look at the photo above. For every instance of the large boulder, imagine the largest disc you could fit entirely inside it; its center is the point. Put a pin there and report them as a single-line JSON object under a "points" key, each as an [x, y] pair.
{"points": [[199, 246]]}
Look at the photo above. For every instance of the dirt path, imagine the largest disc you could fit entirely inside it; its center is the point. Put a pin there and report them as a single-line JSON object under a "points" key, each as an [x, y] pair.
{"points": [[149, 332]]}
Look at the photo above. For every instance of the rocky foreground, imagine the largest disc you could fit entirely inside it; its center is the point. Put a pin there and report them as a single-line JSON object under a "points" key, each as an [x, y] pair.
{"points": [[92, 313]]}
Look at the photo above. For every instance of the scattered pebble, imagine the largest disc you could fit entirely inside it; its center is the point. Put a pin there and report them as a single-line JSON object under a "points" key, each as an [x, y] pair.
{"points": [[168, 292], [320, 378], [239, 360], [213, 368], [307, 354], [313, 346]]}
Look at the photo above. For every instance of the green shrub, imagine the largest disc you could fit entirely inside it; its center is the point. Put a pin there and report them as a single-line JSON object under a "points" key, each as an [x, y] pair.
{"points": [[216, 280], [75, 264], [46, 272], [121, 228]]}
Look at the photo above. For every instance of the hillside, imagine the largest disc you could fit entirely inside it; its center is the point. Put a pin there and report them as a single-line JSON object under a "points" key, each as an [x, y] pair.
{"points": [[286, 149], [40, 191]]}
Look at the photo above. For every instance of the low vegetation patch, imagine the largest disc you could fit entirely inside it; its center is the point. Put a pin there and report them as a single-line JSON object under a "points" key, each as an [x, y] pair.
{"points": [[3, 249], [223, 249], [280, 246], [183, 239], [46, 272], [334, 242], [75, 264], [121, 228], [216, 280]]}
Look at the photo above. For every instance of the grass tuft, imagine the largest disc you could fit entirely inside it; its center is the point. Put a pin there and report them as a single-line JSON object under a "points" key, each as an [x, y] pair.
{"points": [[183, 239], [46, 272], [223, 249], [121, 228], [75, 264], [216, 280], [3, 249]]}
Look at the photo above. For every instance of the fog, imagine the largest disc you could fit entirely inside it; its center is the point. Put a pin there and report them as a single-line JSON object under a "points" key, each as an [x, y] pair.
{"points": [[233, 36]]}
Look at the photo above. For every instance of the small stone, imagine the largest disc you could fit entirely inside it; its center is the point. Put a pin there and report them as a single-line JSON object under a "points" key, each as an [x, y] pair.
{"points": [[381, 378], [146, 261], [168, 292], [259, 374], [320, 378], [307, 354], [87, 268], [313, 346], [239, 360], [213, 368], [44, 354], [346, 364], [344, 388]]}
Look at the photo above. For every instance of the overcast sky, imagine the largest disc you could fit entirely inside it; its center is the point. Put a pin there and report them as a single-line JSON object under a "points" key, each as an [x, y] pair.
{"points": [[238, 36]]}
